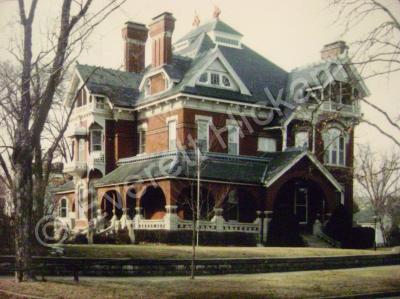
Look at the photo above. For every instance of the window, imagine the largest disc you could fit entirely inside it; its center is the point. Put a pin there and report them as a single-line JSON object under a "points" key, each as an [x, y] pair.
{"points": [[81, 150], [233, 140], [63, 212], [214, 79], [335, 144], [301, 205], [99, 102], [226, 81], [301, 139], [203, 78], [172, 135], [80, 203], [266, 144], [142, 141], [96, 140], [203, 134]]}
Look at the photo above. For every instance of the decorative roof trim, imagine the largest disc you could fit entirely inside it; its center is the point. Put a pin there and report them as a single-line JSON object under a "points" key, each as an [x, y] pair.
{"points": [[318, 164]]}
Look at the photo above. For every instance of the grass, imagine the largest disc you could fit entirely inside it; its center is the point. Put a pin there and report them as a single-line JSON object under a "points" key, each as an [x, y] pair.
{"points": [[184, 252], [275, 285]]}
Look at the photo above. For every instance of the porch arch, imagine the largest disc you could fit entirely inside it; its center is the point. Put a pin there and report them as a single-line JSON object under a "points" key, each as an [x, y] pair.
{"points": [[240, 205], [153, 203], [187, 200], [111, 204], [130, 202]]}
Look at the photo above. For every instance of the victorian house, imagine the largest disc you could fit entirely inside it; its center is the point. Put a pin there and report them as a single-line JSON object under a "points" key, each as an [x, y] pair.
{"points": [[208, 108]]}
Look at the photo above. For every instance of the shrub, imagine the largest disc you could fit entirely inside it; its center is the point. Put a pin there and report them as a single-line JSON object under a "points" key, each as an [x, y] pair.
{"points": [[284, 229], [360, 238], [339, 225]]}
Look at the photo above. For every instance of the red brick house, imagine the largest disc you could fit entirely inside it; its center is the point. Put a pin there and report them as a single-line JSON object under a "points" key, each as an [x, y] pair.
{"points": [[269, 139]]}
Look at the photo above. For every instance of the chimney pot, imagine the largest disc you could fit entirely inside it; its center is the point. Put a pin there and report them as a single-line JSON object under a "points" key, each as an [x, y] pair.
{"points": [[333, 50], [161, 29], [135, 37]]}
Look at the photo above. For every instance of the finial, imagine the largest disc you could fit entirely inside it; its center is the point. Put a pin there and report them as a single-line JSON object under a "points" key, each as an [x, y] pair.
{"points": [[217, 12], [196, 20]]}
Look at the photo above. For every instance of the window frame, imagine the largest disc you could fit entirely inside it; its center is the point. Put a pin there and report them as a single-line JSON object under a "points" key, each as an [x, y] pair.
{"points": [[259, 149], [305, 146], [207, 121], [92, 149], [335, 150], [172, 143], [236, 136], [221, 76], [63, 208]]}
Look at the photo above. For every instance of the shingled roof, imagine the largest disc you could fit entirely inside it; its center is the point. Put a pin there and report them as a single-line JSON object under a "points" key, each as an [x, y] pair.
{"points": [[218, 167]]}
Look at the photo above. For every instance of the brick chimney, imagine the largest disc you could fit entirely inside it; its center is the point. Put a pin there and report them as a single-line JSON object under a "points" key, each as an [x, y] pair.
{"points": [[333, 50], [161, 29], [135, 36]]}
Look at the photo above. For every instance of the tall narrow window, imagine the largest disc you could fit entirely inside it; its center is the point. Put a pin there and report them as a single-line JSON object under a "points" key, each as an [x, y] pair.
{"points": [[96, 141], [203, 135], [80, 203], [63, 208], [335, 146], [81, 150], [172, 135], [301, 205], [301, 139], [233, 140], [142, 141]]}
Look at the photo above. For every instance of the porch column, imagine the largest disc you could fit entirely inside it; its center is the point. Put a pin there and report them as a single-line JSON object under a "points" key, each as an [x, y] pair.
{"points": [[266, 222], [171, 218], [124, 218], [259, 221], [218, 219]]}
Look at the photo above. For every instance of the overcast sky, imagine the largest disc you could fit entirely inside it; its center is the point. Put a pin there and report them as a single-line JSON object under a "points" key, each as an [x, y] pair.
{"points": [[290, 33]]}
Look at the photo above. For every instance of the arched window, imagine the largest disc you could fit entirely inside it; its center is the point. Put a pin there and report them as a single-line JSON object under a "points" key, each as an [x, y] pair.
{"points": [[335, 147], [63, 211], [232, 206], [80, 203]]}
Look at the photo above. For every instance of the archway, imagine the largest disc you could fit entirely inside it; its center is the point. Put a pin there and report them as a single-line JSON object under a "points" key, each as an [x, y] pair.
{"points": [[153, 203], [302, 199], [111, 203], [94, 175], [239, 205], [131, 203], [187, 201]]}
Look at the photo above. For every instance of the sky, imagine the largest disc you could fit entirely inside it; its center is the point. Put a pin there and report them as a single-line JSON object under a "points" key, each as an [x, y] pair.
{"points": [[290, 33]]}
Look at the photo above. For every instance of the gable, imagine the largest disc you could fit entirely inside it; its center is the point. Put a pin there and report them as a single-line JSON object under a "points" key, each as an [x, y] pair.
{"points": [[218, 65]]}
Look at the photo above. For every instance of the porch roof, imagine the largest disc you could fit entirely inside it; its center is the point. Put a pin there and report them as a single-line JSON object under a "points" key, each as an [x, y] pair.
{"points": [[216, 167]]}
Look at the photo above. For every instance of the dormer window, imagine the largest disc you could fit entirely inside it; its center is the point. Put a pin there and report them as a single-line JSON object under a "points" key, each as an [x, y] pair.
{"points": [[226, 81], [216, 79]]}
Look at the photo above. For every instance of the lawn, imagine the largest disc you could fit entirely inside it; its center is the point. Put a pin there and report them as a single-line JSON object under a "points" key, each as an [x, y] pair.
{"points": [[309, 284], [184, 252]]}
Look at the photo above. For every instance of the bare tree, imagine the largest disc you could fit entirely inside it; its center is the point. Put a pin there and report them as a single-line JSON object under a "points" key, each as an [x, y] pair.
{"points": [[27, 95], [379, 179], [377, 50]]}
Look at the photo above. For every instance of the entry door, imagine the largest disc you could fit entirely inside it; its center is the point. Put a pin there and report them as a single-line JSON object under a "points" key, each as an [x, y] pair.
{"points": [[301, 204]]}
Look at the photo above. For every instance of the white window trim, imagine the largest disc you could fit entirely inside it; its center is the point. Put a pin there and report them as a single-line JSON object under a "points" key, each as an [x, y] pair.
{"points": [[173, 118], [270, 138], [221, 84], [302, 132], [237, 128], [101, 142], [343, 135], [208, 120], [66, 208]]}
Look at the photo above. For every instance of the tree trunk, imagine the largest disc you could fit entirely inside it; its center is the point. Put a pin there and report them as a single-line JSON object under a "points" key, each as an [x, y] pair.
{"points": [[194, 231], [22, 194]]}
